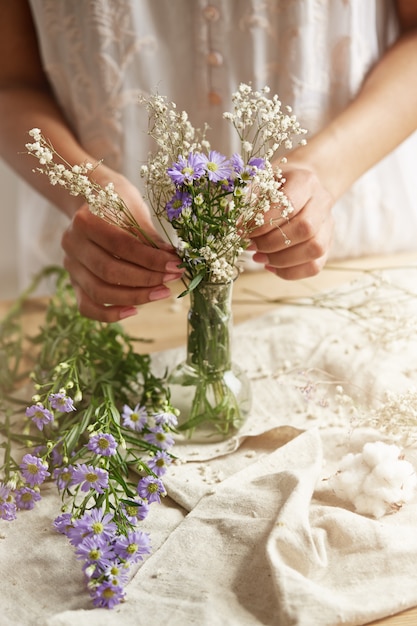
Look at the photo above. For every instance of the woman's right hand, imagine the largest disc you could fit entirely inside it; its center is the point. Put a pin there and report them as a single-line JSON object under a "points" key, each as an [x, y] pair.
{"points": [[113, 271]]}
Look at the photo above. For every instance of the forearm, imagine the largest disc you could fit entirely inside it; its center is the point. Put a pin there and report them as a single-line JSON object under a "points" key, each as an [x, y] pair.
{"points": [[23, 108], [383, 114]]}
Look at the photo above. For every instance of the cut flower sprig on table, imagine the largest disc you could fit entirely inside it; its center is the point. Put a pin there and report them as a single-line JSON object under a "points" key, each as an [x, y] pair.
{"points": [[100, 426]]}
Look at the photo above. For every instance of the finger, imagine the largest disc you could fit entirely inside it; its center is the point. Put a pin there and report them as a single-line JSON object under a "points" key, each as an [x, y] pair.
{"points": [[113, 313], [119, 242], [297, 272], [302, 226], [116, 271], [98, 312], [104, 293], [313, 248]]}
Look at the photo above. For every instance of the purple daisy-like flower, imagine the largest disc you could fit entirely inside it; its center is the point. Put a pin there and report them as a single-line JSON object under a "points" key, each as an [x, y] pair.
{"points": [[40, 415], [135, 418], [63, 523], [26, 498], [107, 595], [117, 573], [90, 477], [133, 547], [160, 463], [34, 470], [257, 162], [8, 511], [56, 457], [159, 437], [166, 419], [179, 201], [151, 489], [95, 550], [236, 163], [187, 170], [136, 510], [217, 166], [96, 523], [64, 477], [7, 504], [103, 444], [61, 402]]}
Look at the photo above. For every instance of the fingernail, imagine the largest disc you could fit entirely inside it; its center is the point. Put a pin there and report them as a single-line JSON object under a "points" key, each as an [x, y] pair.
{"points": [[159, 293], [172, 266], [128, 312], [168, 277]]}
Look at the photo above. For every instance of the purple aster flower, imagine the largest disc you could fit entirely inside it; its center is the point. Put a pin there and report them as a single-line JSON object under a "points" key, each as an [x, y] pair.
{"points": [[102, 443], [95, 550], [96, 523], [236, 162], [107, 595], [63, 523], [33, 469], [136, 510], [187, 170], [64, 477], [90, 477], [217, 166], [160, 463], [133, 547], [135, 418], [151, 489], [257, 162], [56, 457], [26, 498], [61, 402], [7, 504], [159, 437], [166, 419], [117, 573], [40, 415], [179, 201], [8, 511]]}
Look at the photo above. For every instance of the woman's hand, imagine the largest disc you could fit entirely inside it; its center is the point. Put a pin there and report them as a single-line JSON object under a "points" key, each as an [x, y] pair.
{"points": [[113, 271], [297, 247]]}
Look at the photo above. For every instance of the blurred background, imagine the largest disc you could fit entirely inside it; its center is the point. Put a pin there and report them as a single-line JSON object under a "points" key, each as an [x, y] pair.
{"points": [[8, 233]]}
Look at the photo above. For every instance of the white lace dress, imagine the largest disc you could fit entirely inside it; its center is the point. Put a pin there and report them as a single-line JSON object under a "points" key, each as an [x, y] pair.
{"points": [[100, 54]]}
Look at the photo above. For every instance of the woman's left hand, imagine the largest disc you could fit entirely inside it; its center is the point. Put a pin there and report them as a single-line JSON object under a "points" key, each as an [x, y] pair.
{"points": [[296, 247]]}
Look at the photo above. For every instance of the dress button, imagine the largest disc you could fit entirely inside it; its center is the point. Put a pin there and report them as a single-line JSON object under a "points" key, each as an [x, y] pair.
{"points": [[214, 58], [211, 13], [214, 97]]}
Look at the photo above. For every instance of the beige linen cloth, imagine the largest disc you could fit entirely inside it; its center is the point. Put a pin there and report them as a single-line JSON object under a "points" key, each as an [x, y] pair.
{"points": [[250, 532]]}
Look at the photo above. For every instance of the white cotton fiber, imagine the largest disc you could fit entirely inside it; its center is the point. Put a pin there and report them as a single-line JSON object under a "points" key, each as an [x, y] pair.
{"points": [[376, 481]]}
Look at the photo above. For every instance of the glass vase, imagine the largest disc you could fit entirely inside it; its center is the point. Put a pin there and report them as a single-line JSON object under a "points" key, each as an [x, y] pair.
{"points": [[211, 392]]}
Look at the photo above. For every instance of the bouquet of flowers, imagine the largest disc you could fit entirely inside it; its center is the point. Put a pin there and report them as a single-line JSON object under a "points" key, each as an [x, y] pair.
{"points": [[214, 202]]}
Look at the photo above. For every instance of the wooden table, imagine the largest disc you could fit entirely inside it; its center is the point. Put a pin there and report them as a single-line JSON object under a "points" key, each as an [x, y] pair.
{"points": [[162, 324]]}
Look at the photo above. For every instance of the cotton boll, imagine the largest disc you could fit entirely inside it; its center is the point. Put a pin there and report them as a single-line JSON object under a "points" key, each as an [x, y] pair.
{"points": [[367, 505], [376, 481], [345, 485], [377, 452], [384, 491]]}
